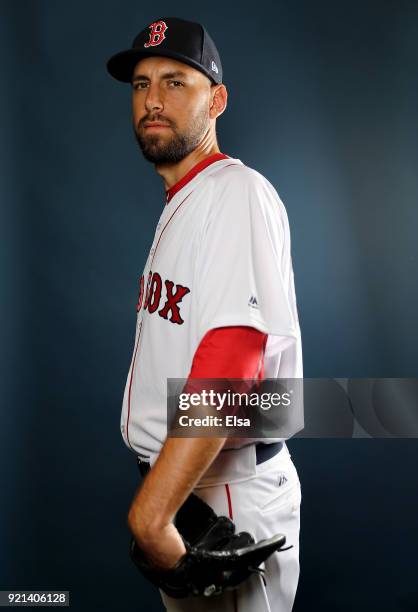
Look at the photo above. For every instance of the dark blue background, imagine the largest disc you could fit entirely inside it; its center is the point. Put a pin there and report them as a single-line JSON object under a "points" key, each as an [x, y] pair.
{"points": [[322, 101]]}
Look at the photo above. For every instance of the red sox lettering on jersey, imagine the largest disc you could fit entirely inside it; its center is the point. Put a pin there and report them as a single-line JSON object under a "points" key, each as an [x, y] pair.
{"points": [[154, 297], [220, 256]]}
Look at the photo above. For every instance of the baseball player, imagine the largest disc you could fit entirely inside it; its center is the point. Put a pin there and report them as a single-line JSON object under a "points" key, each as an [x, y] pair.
{"points": [[216, 300]]}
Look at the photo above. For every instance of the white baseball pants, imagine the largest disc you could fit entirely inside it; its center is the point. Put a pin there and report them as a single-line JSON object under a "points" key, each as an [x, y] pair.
{"points": [[265, 504]]}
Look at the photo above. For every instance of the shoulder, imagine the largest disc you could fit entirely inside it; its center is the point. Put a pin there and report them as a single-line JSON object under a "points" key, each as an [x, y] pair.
{"points": [[238, 174], [235, 184]]}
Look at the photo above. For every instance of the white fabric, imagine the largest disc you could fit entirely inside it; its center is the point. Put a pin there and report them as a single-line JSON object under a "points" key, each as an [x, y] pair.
{"points": [[225, 238], [267, 504]]}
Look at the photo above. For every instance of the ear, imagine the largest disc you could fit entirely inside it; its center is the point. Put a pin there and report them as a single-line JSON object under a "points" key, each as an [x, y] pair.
{"points": [[218, 100]]}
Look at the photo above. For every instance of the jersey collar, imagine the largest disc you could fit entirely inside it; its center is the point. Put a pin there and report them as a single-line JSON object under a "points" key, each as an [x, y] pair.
{"points": [[170, 193]]}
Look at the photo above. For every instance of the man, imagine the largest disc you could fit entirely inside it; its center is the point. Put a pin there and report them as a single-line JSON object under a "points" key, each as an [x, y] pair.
{"points": [[216, 300]]}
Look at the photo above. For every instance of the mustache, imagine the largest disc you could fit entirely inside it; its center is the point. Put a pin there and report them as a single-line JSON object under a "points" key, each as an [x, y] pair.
{"points": [[156, 118]]}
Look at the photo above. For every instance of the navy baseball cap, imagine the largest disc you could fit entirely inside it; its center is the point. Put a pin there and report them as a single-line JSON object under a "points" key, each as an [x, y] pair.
{"points": [[185, 41]]}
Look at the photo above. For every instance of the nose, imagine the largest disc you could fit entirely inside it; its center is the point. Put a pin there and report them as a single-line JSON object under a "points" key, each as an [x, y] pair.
{"points": [[153, 101]]}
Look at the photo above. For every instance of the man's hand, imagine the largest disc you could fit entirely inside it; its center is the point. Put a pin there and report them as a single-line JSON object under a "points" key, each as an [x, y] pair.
{"points": [[163, 547], [217, 558]]}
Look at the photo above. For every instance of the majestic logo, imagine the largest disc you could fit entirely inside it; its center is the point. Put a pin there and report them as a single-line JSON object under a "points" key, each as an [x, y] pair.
{"points": [[282, 480], [156, 35], [253, 302], [214, 67], [154, 298]]}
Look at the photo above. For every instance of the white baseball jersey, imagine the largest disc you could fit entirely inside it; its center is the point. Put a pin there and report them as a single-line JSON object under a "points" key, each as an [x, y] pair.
{"points": [[220, 256]]}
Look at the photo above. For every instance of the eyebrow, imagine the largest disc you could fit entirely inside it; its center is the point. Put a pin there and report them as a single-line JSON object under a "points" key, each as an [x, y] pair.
{"points": [[167, 75]]}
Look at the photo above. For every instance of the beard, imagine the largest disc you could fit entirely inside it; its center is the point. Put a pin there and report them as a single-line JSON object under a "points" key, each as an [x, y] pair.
{"points": [[171, 150]]}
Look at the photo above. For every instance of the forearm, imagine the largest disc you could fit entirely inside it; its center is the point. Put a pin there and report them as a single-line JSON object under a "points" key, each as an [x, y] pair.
{"points": [[223, 353], [179, 467]]}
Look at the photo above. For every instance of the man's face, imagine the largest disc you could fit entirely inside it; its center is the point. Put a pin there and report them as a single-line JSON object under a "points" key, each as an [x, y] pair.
{"points": [[170, 108]]}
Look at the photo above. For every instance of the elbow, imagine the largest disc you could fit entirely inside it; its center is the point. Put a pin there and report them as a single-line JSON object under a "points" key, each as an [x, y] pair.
{"points": [[131, 519], [135, 523], [142, 530]]}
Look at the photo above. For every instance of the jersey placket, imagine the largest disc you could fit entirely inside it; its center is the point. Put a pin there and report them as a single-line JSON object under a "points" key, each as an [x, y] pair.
{"points": [[161, 225]]}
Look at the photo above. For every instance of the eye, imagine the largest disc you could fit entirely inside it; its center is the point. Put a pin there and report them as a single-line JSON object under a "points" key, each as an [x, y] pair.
{"points": [[140, 85], [176, 84]]}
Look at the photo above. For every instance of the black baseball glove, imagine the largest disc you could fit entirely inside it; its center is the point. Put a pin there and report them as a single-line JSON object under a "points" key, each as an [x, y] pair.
{"points": [[217, 558]]}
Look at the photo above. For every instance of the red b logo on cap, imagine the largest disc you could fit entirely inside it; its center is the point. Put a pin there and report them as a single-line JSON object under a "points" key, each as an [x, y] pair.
{"points": [[156, 36]]}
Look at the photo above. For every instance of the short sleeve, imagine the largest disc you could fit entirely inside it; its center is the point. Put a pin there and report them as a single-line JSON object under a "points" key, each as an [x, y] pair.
{"points": [[243, 260]]}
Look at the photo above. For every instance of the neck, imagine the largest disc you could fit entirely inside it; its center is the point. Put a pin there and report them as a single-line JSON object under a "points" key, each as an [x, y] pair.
{"points": [[172, 173]]}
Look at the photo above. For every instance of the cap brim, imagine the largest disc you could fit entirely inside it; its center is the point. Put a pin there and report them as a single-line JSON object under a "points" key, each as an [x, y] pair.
{"points": [[121, 65]]}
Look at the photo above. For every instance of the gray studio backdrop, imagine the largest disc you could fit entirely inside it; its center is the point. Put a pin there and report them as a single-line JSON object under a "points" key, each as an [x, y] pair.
{"points": [[322, 101]]}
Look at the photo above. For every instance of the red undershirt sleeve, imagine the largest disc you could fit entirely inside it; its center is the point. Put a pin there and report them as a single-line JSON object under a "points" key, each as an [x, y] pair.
{"points": [[230, 352]]}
